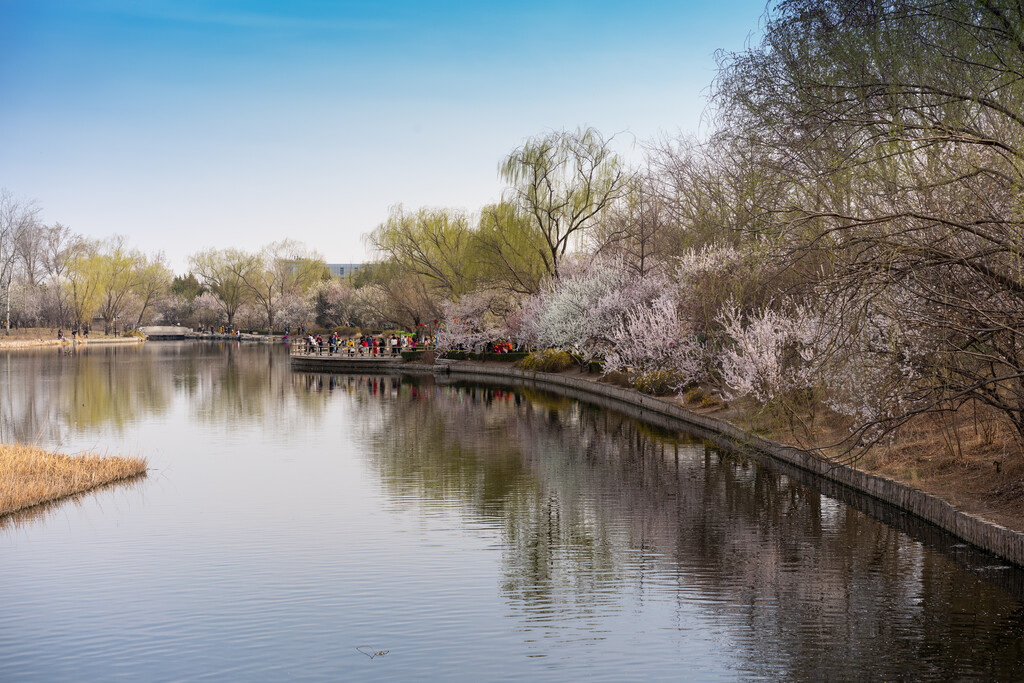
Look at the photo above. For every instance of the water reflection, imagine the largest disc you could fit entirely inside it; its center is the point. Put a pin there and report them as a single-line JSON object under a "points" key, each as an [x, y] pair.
{"points": [[49, 395], [588, 501], [48, 392], [291, 517], [24, 519]]}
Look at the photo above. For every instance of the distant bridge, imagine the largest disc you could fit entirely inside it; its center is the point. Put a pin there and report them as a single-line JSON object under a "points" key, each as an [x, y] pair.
{"points": [[165, 331]]}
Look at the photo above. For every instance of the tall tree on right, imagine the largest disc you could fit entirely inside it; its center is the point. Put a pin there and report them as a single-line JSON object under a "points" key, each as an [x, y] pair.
{"points": [[899, 127]]}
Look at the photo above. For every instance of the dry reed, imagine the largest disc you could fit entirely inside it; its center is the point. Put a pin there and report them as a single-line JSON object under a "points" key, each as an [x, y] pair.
{"points": [[30, 475]]}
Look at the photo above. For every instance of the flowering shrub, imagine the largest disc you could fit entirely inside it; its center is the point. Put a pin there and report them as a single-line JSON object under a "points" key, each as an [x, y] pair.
{"points": [[548, 360], [208, 309], [769, 356], [294, 311], [580, 310], [658, 382], [713, 277], [656, 347], [467, 324], [871, 362]]}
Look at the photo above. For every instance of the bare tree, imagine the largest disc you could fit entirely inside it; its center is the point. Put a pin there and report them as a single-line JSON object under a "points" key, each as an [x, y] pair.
{"points": [[17, 217], [637, 229], [562, 183], [897, 127]]}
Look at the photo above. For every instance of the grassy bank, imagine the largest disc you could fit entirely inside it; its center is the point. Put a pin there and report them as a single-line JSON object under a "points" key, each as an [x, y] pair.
{"points": [[969, 458], [31, 475]]}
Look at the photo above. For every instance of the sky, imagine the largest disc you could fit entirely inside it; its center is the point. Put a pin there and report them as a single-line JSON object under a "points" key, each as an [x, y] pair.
{"points": [[187, 125]]}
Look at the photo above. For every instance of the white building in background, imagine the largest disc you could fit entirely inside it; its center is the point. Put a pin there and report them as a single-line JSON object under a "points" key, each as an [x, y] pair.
{"points": [[345, 270]]}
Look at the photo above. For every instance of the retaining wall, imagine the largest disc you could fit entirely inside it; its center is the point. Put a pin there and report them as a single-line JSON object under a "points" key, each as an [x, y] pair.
{"points": [[345, 363], [988, 536]]}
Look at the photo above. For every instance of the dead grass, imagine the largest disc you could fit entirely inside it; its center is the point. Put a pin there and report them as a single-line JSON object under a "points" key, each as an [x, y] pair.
{"points": [[975, 465], [30, 475]]}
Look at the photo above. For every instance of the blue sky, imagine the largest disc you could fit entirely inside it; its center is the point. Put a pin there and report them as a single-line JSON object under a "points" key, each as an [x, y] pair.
{"points": [[187, 124]]}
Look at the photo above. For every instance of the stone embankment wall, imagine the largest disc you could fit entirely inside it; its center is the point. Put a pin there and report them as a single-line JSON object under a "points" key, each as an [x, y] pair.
{"points": [[988, 536], [345, 363], [996, 539]]}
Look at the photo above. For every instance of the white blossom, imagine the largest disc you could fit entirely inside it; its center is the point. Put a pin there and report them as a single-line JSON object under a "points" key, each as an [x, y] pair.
{"points": [[769, 354], [653, 337]]}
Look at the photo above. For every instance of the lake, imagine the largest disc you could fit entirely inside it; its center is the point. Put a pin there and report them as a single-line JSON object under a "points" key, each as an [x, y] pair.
{"points": [[298, 526]]}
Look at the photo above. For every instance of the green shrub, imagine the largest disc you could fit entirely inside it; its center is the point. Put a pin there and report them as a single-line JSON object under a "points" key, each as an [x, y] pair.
{"points": [[695, 395], [548, 360], [658, 382], [409, 356]]}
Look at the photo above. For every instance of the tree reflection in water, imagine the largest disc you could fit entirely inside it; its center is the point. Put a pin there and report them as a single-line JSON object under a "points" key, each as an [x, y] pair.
{"points": [[596, 510], [599, 518], [50, 395], [50, 391]]}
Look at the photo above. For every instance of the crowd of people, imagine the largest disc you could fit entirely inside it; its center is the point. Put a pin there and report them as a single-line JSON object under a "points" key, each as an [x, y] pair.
{"points": [[379, 346], [366, 345]]}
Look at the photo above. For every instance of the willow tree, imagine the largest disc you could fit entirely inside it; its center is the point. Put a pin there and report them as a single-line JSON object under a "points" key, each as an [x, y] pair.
{"points": [[279, 270], [82, 279], [153, 285], [405, 298], [434, 244], [223, 272], [120, 272], [899, 128], [510, 249], [561, 183]]}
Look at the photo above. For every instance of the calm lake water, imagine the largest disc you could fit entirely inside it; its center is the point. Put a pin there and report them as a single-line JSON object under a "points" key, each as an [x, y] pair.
{"points": [[292, 525]]}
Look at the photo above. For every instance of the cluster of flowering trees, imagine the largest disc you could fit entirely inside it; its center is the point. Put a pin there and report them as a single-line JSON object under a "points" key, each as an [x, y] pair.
{"points": [[847, 238], [50, 276]]}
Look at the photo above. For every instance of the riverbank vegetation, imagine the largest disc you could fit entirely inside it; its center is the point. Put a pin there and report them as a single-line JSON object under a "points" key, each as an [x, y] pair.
{"points": [[841, 255], [33, 475]]}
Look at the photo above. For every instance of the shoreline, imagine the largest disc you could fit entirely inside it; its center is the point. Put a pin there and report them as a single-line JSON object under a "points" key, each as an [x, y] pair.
{"points": [[991, 537], [10, 344], [986, 535]]}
